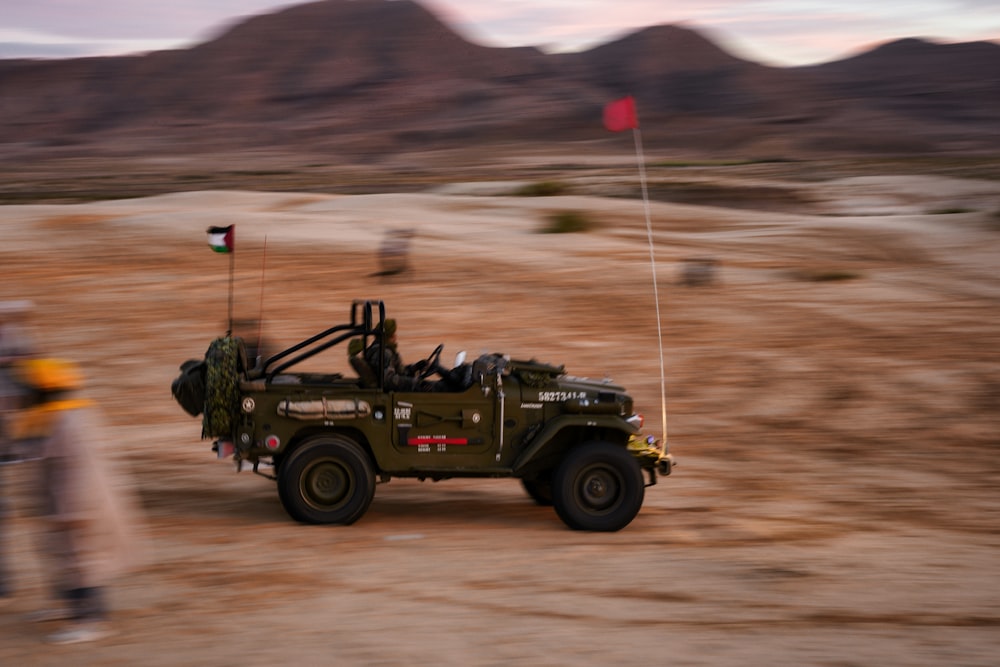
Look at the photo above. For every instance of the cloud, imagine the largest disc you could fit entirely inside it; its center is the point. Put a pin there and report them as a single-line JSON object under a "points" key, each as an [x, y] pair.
{"points": [[31, 44], [128, 19], [774, 31]]}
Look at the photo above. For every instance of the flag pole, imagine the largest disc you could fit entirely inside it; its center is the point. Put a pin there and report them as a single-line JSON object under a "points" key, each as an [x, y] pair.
{"points": [[652, 263], [223, 239], [232, 272]]}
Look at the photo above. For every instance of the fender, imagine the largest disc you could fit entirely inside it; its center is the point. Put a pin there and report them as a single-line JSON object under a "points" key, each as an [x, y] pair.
{"points": [[554, 426]]}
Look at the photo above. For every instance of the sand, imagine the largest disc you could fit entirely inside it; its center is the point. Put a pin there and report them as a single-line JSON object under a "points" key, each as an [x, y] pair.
{"points": [[832, 397]]}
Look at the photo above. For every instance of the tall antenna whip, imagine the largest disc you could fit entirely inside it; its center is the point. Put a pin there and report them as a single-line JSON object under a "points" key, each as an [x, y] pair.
{"points": [[621, 115], [652, 263]]}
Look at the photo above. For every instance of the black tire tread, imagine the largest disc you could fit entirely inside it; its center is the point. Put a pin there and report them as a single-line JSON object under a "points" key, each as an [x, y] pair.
{"points": [[576, 514], [351, 455]]}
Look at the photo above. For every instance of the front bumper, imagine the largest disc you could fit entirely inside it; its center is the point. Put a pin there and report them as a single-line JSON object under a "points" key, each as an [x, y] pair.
{"points": [[652, 454]]}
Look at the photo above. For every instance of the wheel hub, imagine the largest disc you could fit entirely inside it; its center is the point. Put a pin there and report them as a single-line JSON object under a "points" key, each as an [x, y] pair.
{"points": [[596, 488], [327, 484], [600, 489]]}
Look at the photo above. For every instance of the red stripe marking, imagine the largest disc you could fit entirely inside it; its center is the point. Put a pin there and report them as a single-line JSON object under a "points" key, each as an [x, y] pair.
{"points": [[436, 440]]}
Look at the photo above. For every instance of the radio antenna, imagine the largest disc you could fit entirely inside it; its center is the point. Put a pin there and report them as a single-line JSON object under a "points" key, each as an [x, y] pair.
{"points": [[619, 116], [260, 309]]}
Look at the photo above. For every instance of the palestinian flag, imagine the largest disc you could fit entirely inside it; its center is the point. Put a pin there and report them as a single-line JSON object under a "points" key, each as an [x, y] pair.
{"points": [[221, 238]]}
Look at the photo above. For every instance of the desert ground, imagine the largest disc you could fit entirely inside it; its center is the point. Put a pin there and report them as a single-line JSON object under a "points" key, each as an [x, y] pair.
{"points": [[832, 399]]}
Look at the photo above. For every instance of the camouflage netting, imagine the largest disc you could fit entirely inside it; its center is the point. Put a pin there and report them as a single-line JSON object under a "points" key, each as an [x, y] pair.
{"points": [[534, 379], [222, 368], [536, 374]]}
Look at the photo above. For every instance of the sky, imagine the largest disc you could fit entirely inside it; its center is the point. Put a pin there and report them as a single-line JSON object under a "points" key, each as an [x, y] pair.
{"points": [[772, 32]]}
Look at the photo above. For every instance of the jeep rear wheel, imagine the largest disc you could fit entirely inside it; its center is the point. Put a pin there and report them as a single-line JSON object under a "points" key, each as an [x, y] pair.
{"points": [[598, 486], [328, 479]]}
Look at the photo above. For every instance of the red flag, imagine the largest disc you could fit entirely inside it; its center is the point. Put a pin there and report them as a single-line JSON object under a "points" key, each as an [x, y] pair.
{"points": [[620, 115]]}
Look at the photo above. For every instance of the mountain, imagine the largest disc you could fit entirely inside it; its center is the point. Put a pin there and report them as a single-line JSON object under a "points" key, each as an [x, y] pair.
{"points": [[918, 78], [679, 71], [377, 75]]}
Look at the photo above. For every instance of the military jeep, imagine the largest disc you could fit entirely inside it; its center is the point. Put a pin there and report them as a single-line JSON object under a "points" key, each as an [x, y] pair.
{"points": [[327, 438]]}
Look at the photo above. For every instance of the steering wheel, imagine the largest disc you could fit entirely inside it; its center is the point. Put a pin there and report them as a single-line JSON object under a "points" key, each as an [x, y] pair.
{"points": [[430, 364]]}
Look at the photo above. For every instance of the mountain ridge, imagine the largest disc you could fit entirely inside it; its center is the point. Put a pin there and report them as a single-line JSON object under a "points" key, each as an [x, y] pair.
{"points": [[390, 74]]}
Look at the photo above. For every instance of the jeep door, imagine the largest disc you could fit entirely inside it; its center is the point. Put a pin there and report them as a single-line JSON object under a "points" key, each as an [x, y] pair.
{"points": [[447, 430]]}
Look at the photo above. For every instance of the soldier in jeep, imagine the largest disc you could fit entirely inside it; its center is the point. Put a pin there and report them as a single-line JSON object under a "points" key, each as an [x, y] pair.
{"points": [[398, 376]]}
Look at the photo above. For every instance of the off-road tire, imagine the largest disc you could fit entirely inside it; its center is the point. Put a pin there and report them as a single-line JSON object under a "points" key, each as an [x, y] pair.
{"points": [[328, 479], [598, 486]]}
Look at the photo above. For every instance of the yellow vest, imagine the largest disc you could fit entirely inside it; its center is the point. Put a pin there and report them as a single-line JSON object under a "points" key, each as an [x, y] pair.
{"points": [[38, 420]]}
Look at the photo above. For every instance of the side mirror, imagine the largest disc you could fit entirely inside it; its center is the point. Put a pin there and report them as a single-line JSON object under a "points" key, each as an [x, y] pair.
{"points": [[459, 359]]}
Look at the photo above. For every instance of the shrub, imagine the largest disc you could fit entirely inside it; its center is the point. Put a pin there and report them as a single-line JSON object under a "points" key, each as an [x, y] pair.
{"points": [[825, 275], [950, 210], [566, 222], [542, 189]]}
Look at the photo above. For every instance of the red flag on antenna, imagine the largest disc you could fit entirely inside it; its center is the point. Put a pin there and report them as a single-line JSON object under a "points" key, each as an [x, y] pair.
{"points": [[620, 115]]}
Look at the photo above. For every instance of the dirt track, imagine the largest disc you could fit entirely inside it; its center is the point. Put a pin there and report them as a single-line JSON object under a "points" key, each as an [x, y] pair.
{"points": [[833, 401]]}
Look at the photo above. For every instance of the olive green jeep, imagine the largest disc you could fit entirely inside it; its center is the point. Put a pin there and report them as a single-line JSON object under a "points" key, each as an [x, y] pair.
{"points": [[326, 438]]}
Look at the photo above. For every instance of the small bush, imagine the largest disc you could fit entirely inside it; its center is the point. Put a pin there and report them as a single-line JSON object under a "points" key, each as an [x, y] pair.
{"points": [[566, 222], [950, 210], [542, 189], [826, 275]]}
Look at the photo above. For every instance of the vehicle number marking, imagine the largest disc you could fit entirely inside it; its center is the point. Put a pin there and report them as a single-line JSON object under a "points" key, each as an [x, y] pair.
{"points": [[559, 396]]}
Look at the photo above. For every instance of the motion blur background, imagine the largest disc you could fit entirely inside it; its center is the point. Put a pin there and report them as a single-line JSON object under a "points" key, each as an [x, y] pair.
{"points": [[825, 225]]}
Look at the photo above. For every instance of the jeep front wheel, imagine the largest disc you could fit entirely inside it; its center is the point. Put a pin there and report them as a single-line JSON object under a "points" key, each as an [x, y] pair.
{"points": [[328, 479], [598, 486]]}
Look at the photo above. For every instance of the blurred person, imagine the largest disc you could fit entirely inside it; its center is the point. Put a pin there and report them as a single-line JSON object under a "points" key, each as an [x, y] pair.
{"points": [[15, 345], [394, 253], [90, 531], [395, 374]]}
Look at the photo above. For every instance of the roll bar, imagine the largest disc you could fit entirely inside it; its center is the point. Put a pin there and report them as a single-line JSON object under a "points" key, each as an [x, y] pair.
{"points": [[363, 323]]}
